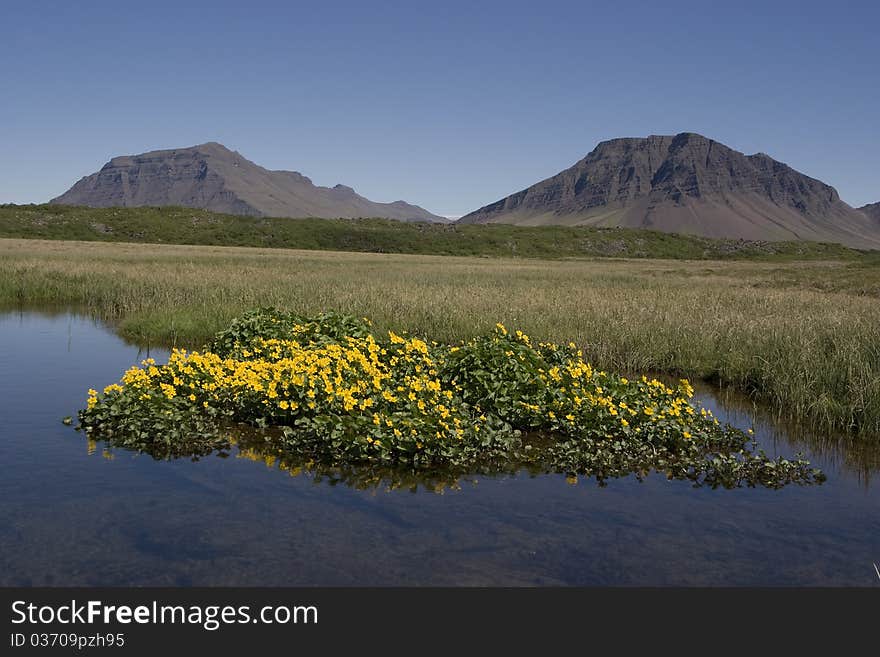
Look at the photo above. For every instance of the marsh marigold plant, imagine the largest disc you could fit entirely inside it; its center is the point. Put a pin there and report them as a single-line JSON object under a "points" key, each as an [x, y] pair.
{"points": [[332, 390]]}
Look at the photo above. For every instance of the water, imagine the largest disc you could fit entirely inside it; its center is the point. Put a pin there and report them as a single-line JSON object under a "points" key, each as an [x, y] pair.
{"points": [[68, 517]]}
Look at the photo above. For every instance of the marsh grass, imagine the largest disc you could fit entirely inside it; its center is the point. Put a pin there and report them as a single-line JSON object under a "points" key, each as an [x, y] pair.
{"points": [[801, 336]]}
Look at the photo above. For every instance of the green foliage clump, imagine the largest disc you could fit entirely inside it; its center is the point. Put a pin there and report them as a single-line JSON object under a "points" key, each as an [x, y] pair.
{"points": [[274, 324], [337, 394]]}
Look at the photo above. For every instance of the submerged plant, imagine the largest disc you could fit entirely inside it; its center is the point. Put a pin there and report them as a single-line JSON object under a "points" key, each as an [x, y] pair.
{"points": [[341, 396]]}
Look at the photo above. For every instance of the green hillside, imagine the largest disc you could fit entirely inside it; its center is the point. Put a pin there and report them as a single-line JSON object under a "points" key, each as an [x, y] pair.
{"points": [[175, 225]]}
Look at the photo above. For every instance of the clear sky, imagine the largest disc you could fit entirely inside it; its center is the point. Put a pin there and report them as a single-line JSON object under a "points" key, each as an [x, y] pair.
{"points": [[449, 105]]}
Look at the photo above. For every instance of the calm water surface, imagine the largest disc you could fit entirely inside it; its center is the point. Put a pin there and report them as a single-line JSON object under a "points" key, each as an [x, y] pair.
{"points": [[70, 517]]}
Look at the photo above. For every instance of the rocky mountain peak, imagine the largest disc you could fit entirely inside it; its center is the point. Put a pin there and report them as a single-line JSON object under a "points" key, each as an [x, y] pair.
{"points": [[685, 183], [213, 177]]}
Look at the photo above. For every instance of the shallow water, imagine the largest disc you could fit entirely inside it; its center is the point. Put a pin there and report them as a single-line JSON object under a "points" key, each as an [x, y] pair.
{"points": [[69, 517]]}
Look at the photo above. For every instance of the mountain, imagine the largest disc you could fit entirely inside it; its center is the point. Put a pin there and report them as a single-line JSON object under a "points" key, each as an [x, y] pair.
{"points": [[687, 183], [212, 177], [872, 210]]}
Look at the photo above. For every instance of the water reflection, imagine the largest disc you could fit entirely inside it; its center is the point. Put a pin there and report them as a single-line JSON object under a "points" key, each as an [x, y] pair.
{"points": [[859, 455], [363, 478], [733, 462]]}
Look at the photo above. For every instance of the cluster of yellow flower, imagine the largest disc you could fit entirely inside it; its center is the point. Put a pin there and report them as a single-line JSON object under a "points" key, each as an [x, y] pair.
{"points": [[332, 395], [401, 399], [371, 390], [582, 396]]}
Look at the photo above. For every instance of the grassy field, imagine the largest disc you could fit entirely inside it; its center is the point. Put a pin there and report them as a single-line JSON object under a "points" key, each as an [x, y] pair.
{"points": [[169, 225], [801, 336]]}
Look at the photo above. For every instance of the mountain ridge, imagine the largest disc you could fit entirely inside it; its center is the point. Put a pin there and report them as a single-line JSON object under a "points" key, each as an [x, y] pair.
{"points": [[872, 210], [211, 176], [686, 183]]}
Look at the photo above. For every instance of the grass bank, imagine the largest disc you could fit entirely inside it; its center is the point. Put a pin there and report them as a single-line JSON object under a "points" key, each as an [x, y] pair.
{"points": [[170, 225], [801, 336]]}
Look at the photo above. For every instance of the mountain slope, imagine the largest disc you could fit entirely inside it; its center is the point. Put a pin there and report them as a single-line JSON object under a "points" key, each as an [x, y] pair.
{"points": [[212, 177], [686, 183], [872, 210]]}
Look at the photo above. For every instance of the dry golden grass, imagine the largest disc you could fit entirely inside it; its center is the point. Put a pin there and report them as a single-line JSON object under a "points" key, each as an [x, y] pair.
{"points": [[803, 336]]}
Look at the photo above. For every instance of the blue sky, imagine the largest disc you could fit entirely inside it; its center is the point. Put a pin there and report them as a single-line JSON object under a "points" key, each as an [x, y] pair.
{"points": [[449, 105]]}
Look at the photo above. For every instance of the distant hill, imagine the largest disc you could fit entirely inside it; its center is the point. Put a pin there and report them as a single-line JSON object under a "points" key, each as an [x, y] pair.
{"points": [[212, 177], [687, 183]]}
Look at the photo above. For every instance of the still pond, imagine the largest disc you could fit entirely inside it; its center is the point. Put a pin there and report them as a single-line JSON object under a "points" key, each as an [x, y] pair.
{"points": [[73, 514]]}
